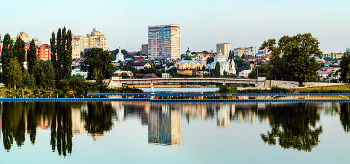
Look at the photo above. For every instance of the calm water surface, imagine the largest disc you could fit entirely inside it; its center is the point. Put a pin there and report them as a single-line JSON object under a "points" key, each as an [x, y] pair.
{"points": [[174, 133]]}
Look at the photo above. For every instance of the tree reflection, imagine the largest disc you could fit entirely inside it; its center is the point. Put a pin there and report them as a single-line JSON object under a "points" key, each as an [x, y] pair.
{"points": [[98, 118], [61, 128], [14, 123], [345, 117], [293, 125]]}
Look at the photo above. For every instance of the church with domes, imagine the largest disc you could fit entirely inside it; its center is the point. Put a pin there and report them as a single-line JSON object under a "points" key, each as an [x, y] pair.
{"points": [[224, 64], [119, 57]]}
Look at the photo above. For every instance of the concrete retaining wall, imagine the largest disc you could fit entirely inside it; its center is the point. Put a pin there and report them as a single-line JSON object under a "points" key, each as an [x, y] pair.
{"points": [[318, 84], [283, 84]]}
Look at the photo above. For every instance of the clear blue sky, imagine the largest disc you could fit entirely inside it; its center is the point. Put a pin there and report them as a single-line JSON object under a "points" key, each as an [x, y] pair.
{"points": [[203, 22]]}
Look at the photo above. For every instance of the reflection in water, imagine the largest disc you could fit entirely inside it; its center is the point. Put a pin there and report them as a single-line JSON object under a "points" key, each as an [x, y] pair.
{"points": [[345, 117], [294, 125], [98, 119], [164, 125]]}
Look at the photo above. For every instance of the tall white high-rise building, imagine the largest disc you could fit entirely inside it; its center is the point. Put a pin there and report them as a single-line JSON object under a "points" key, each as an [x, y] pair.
{"points": [[225, 49], [164, 41]]}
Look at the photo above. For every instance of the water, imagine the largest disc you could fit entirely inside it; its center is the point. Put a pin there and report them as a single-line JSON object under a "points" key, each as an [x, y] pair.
{"points": [[174, 90], [174, 133]]}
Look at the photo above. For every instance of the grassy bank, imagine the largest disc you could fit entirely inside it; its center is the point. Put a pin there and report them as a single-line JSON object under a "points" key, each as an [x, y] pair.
{"points": [[330, 89]]}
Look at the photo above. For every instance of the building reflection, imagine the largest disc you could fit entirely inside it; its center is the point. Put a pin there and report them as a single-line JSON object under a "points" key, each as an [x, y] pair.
{"points": [[300, 122], [164, 125]]}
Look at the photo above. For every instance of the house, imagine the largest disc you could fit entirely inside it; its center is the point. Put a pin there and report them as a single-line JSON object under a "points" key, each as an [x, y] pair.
{"points": [[150, 75], [141, 65], [322, 74], [328, 69], [120, 72], [244, 73]]}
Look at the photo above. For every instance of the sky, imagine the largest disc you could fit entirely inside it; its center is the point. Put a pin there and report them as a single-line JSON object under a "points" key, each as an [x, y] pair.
{"points": [[204, 23]]}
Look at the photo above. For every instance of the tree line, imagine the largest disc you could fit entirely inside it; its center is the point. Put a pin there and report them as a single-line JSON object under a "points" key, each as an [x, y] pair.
{"points": [[40, 74]]}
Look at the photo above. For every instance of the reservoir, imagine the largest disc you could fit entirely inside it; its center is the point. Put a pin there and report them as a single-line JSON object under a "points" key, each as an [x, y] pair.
{"points": [[145, 132]]}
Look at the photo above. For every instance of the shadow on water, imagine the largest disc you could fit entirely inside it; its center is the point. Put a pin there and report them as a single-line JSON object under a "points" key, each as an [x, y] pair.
{"points": [[293, 125]]}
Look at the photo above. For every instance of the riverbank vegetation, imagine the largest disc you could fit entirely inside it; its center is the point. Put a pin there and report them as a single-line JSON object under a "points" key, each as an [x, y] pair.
{"points": [[233, 89]]}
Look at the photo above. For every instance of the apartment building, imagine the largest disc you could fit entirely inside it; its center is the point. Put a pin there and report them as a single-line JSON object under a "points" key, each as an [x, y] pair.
{"points": [[43, 52], [247, 51], [225, 49], [144, 50], [164, 41], [94, 40]]}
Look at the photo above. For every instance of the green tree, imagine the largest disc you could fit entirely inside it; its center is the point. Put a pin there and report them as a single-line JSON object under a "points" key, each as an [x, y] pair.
{"points": [[58, 63], [7, 55], [19, 51], [67, 60], [263, 70], [217, 69], [99, 59], [43, 80], [344, 68], [53, 52], [296, 63], [210, 60], [37, 74], [32, 82], [26, 78], [225, 74], [32, 58], [187, 58], [241, 65], [15, 73], [49, 72], [203, 68]]}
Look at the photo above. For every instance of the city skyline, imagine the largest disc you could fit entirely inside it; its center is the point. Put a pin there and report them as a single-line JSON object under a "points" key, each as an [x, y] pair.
{"points": [[203, 25]]}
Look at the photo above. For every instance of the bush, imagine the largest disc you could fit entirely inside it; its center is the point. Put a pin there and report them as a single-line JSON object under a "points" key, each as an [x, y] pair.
{"points": [[58, 92], [276, 89], [227, 89]]}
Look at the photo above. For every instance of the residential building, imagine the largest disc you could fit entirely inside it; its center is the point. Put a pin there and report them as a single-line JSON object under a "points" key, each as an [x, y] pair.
{"points": [[150, 75], [23, 36], [144, 50], [323, 75], [43, 52], [120, 72], [37, 42], [141, 65], [94, 40], [247, 51], [164, 41], [263, 52], [225, 48], [244, 73], [333, 55], [79, 72]]}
